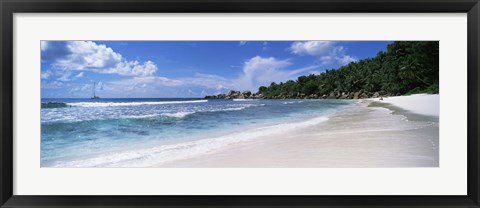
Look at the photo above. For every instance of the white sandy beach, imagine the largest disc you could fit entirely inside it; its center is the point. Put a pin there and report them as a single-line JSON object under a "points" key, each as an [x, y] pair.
{"points": [[420, 103], [399, 131]]}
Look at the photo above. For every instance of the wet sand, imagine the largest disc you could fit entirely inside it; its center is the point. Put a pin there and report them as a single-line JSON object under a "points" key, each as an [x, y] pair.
{"points": [[369, 134]]}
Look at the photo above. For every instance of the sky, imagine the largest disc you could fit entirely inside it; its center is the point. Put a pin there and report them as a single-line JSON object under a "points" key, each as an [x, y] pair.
{"points": [[181, 69]]}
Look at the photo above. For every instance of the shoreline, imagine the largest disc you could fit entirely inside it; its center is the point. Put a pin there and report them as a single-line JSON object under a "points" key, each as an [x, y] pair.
{"points": [[424, 104], [370, 133], [364, 133]]}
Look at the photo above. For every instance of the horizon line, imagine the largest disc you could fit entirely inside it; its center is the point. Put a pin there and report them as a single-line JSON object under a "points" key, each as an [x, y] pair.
{"points": [[120, 97]]}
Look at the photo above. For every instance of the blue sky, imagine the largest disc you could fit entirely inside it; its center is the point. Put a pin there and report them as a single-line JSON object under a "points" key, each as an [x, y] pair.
{"points": [[178, 69]]}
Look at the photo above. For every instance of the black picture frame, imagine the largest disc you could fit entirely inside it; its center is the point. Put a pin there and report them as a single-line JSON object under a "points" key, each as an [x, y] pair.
{"points": [[9, 7]]}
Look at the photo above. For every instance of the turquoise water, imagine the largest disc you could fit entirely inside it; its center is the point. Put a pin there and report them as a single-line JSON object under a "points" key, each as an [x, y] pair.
{"points": [[144, 132]]}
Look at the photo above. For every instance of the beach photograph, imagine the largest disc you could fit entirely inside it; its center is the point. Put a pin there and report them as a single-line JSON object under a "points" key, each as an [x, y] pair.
{"points": [[239, 104]]}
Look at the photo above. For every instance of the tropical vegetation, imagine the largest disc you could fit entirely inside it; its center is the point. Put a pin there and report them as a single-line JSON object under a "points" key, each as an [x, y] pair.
{"points": [[406, 67]]}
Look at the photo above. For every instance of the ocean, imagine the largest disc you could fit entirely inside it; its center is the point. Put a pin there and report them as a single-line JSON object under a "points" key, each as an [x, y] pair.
{"points": [[121, 132]]}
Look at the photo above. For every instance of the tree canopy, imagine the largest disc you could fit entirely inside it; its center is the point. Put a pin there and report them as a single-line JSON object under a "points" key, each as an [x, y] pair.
{"points": [[407, 67]]}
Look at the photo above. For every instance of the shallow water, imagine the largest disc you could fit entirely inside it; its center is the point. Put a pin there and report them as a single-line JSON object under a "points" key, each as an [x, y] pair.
{"points": [[142, 132]]}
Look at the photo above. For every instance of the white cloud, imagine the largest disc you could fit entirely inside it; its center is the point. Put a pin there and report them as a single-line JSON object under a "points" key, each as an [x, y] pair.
{"points": [[51, 85], [64, 76], [265, 46], [100, 85], [79, 75], [156, 83], [87, 87], [133, 68], [242, 43], [313, 48], [256, 72], [198, 85], [208, 81], [84, 90], [151, 86], [259, 71], [192, 93], [328, 52], [43, 45], [346, 59], [298, 71], [90, 56], [46, 74]]}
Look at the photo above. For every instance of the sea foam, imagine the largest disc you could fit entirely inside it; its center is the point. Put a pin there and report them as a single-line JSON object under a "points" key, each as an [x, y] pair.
{"points": [[177, 114], [166, 153], [243, 99]]}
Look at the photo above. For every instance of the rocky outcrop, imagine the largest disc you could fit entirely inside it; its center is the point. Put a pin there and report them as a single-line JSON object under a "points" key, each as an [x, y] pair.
{"points": [[356, 95], [332, 96], [236, 95], [233, 94], [257, 96]]}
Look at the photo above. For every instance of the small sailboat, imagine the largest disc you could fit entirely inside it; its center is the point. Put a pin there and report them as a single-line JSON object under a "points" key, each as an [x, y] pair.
{"points": [[94, 96]]}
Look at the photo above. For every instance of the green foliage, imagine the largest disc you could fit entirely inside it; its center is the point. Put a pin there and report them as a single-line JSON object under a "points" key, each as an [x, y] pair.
{"points": [[406, 67]]}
